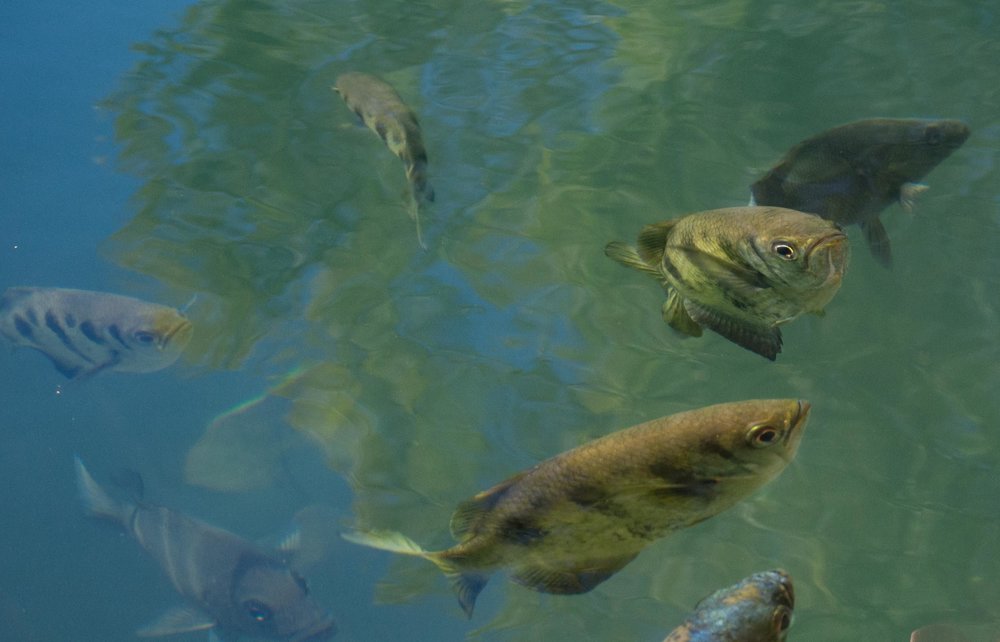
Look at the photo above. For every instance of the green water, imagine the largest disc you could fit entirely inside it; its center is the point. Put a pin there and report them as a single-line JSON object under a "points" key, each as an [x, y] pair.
{"points": [[552, 128]]}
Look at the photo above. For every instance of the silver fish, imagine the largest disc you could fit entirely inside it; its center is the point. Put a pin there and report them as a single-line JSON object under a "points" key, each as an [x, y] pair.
{"points": [[849, 174], [758, 608], [231, 584], [85, 332]]}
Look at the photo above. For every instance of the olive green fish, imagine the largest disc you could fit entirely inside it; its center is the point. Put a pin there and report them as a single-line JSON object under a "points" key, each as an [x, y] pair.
{"points": [[740, 271], [572, 521], [755, 609], [849, 174], [383, 111], [85, 332]]}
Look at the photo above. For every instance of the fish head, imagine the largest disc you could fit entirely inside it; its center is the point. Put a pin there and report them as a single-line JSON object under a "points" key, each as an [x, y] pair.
{"points": [[802, 255], [758, 607], [757, 438], [917, 146], [272, 601], [154, 339]]}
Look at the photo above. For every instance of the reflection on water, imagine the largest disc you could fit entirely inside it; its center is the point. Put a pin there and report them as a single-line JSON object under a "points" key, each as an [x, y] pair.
{"points": [[428, 375]]}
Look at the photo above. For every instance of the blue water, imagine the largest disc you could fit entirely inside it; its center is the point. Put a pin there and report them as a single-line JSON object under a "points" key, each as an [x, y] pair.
{"points": [[196, 149]]}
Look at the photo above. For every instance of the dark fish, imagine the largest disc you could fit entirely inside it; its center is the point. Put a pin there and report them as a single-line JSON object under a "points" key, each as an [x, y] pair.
{"points": [[230, 583], [740, 271], [574, 520], [383, 111], [755, 609], [849, 174], [86, 332]]}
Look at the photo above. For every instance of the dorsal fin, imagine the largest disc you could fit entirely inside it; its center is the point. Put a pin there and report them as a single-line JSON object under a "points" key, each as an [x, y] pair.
{"points": [[652, 241], [471, 510]]}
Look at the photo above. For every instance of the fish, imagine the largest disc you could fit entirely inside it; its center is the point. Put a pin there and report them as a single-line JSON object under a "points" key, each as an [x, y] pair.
{"points": [[758, 608], [231, 584], [574, 520], [740, 271], [941, 632], [849, 174], [84, 332], [384, 112]]}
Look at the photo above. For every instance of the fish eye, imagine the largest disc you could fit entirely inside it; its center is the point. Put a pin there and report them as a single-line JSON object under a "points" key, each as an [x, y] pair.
{"points": [[144, 337], [782, 619], [932, 136], [257, 610], [762, 436], [784, 249]]}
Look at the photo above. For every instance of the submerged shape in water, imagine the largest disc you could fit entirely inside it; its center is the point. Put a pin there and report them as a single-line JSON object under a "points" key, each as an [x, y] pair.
{"points": [[230, 583], [84, 332], [740, 271], [385, 113], [758, 608], [572, 521], [242, 448], [849, 174]]}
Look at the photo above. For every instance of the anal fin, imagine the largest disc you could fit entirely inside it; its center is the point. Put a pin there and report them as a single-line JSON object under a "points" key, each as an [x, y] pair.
{"points": [[878, 241], [571, 578]]}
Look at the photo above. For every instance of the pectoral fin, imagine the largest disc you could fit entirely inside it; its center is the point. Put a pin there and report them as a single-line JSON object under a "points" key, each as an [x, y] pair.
{"points": [[677, 316], [570, 578], [763, 339], [908, 194], [878, 241], [181, 619]]}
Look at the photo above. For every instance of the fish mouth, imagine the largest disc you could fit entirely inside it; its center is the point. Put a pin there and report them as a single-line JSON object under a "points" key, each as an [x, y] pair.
{"points": [[323, 631], [835, 246], [798, 419], [184, 326]]}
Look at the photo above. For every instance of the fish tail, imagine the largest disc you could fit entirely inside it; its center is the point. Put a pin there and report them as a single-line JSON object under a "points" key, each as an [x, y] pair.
{"points": [[629, 257], [413, 209], [387, 541], [467, 585], [96, 500]]}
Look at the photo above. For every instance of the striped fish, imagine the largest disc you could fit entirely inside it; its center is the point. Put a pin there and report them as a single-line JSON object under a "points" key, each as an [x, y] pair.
{"points": [[230, 583], [85, 332]]}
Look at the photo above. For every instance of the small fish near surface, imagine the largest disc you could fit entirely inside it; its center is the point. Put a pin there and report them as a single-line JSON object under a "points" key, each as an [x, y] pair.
{"points": [[384, 112], [231, 584], [758, 608], [573, 521], [850, 173], [740, 271], [84, 332]]}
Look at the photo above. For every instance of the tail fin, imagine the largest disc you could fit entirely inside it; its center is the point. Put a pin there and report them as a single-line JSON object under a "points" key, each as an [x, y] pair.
{"points": [[467, 585], [96, 500]]}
